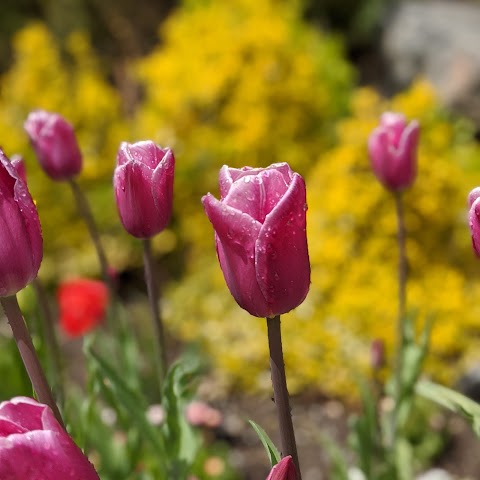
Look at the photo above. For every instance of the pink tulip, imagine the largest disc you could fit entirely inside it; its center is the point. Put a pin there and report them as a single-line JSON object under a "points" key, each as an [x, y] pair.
{"points": [[473, 195], [474, 219], [55, 144], [283, 470], [260, 236], [143, 183], [21, 245], [393, 151], [34, 446]]}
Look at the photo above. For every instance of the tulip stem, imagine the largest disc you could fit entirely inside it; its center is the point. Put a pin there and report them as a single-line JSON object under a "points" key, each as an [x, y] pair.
{"points": [[402, 283], [86, 213], [280, 392], [154, 298], [29, 355], [50, 339]]}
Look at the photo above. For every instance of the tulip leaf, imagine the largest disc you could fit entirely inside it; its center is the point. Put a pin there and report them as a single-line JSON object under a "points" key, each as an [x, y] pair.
{"points": [[339, 468], [129, 399], [452, 400], [272, 451], [182, 442]]}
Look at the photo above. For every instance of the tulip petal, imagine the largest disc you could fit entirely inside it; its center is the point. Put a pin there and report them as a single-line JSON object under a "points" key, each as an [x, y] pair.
{"points": [[257, 194], [281, 254], [43, 455], [162, 188], [235, 236], [284, 470], [40, 449], [225, 180], [132, 183], [26, 418], [21, 245]]}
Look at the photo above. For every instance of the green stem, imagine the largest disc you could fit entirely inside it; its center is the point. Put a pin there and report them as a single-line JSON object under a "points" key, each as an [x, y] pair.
{"points": [[50, 339], [29, 355], [402, 283], [86, 213], [154, 298], [280, 392]]}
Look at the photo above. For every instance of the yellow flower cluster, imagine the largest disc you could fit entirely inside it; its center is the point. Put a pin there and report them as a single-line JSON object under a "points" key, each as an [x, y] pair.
{"points": [[248, 82], [352, 238], [69, 81]]}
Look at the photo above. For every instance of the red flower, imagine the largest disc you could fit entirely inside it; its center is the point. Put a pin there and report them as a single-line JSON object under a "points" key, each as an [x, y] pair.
{"points": [[82, 305]]}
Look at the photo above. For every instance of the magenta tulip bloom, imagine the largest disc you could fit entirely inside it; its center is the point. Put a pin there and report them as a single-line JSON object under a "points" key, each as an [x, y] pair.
{"points": [[21, 245], [260, 236], [283, 470], [393, 151], [33, 446], [143, 183], [474, 218], [55, 144]]}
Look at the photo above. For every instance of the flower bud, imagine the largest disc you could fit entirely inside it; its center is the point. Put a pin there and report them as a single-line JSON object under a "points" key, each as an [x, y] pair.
{"points": [[260, 236], [377, 354], [55, 144], [34, 445], [143, 184], [82, 305], [283, 470], [392, 147], [474, 219], [21, 244]]}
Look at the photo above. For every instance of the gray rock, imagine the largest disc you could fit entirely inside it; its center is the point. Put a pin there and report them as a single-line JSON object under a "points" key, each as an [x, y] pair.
{"points": [[438, 40]]}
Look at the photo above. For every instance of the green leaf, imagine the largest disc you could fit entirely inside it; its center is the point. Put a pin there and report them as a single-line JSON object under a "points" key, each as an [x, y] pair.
{"points": [[272, 451], [452, 400], [120, 393], [182, 440], [336, 455], [404, 459]]}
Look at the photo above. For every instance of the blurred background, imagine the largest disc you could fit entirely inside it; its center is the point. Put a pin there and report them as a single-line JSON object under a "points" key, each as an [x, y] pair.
{"points": [[253, 82]]}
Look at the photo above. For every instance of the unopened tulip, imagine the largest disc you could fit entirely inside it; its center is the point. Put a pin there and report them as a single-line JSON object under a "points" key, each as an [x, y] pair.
{"points": [[473, 195], [33, 446], [393, 151], [283, 470], [55, 144], [82, 305], [143, 184], [21, 245], [474, 219], [260, 236]]}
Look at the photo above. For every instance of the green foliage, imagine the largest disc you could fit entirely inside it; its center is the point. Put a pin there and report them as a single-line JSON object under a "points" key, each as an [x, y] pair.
{"points": [[272, 452], [452, 400], [251, 95]]}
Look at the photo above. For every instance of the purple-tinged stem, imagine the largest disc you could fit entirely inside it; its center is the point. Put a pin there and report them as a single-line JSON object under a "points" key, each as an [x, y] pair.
{"points": [[86, 213], [29, 355], [154, 298], [280, 392]]}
